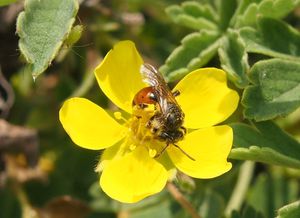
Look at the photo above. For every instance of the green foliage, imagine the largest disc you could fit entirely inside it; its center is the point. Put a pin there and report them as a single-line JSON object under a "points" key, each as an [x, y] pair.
{"points": [[7, 2], [289, 211], [196, 50], [271, 191], [275, 90], [234, 59], [9, 205], [273, 38], [265, 143], [42, 28], [193, 15], [251, 10], [247, 212], [256, 42]]}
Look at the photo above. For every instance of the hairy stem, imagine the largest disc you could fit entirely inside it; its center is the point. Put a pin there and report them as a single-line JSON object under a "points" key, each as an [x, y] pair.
{"points": [[178, 196]]}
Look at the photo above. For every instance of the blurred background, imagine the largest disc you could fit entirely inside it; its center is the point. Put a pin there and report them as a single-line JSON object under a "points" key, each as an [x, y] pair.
{"points": [[43, 174]]}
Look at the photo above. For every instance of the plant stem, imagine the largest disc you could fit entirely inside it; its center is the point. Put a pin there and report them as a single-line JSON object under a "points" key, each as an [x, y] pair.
{"points": [[241, 187], [178, 196]]}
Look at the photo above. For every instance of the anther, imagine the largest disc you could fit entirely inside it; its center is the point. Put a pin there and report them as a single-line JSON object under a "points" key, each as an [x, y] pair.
{"points": [[152, 152], [132, 147], [118, 116]]}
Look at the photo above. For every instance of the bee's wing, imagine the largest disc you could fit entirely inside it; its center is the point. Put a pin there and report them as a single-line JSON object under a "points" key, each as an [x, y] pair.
{"points": [[152, 77]]}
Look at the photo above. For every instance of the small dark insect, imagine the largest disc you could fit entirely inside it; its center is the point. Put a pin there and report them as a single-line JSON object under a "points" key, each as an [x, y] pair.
{"points": [[167, 122]]}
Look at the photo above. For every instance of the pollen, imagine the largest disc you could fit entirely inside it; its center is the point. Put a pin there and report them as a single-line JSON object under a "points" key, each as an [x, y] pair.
{"points": [[118, 115], [138, 132], [152, 152]]}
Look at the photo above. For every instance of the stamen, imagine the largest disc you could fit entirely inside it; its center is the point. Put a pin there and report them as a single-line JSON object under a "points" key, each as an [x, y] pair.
{"points": [[132, 147], [118, 116]]}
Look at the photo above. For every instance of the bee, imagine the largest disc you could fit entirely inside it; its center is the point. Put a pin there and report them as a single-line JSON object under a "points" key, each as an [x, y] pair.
{"points": [[167, 122]]}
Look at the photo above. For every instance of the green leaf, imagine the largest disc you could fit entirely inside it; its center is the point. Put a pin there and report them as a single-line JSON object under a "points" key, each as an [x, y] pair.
{"points": [[247, 212], [7, 2], [234, 59], [240, 10], [275, 90], [268, 8], [250, 212], [265, 143], [193, 15], [42, 29], [290, 211], [259, 195], [227, 9], [154, 206], [212, 206], [196, 50], [270, 191], [273, 38]]}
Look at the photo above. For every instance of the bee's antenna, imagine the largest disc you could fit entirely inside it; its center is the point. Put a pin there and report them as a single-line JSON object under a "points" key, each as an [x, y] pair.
{"points": [[162, 151], [167, 145], [186, 154]]}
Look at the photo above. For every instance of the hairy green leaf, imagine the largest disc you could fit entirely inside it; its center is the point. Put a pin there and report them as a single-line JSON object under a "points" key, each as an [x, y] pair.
{"points": [[240, 10], [227, 9], [274, 38], [275, 90], [193, 15], [265, 143], [42, 28], [267, 8], [289, 211], [7, 2], [196, 50], [234, 59]]}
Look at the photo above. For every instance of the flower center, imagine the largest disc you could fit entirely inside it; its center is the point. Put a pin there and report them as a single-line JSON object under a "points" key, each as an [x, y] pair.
{"points": [[139, 134]]}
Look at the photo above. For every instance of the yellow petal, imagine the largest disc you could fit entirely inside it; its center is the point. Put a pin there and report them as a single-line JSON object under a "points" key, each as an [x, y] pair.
{"points": [[209, 147], [133, 177], [205, 98], [88, 125], [119, 74]]}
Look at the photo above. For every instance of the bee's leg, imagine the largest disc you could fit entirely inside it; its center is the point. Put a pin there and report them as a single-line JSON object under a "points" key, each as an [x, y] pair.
{"points": [[162, 151], [176, 93], [149, 123], [186, 154], [183, 129]]}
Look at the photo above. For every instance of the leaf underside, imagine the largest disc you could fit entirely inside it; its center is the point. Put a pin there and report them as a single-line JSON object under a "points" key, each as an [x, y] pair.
{"points": [[42, 28]]}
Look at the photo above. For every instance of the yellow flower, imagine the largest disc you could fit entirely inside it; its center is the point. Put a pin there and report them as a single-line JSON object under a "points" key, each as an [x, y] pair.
{"points": [[130, 167]]}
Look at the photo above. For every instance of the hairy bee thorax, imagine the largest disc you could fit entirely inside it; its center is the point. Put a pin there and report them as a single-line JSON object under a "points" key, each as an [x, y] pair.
{"points": [[168, 127]]}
